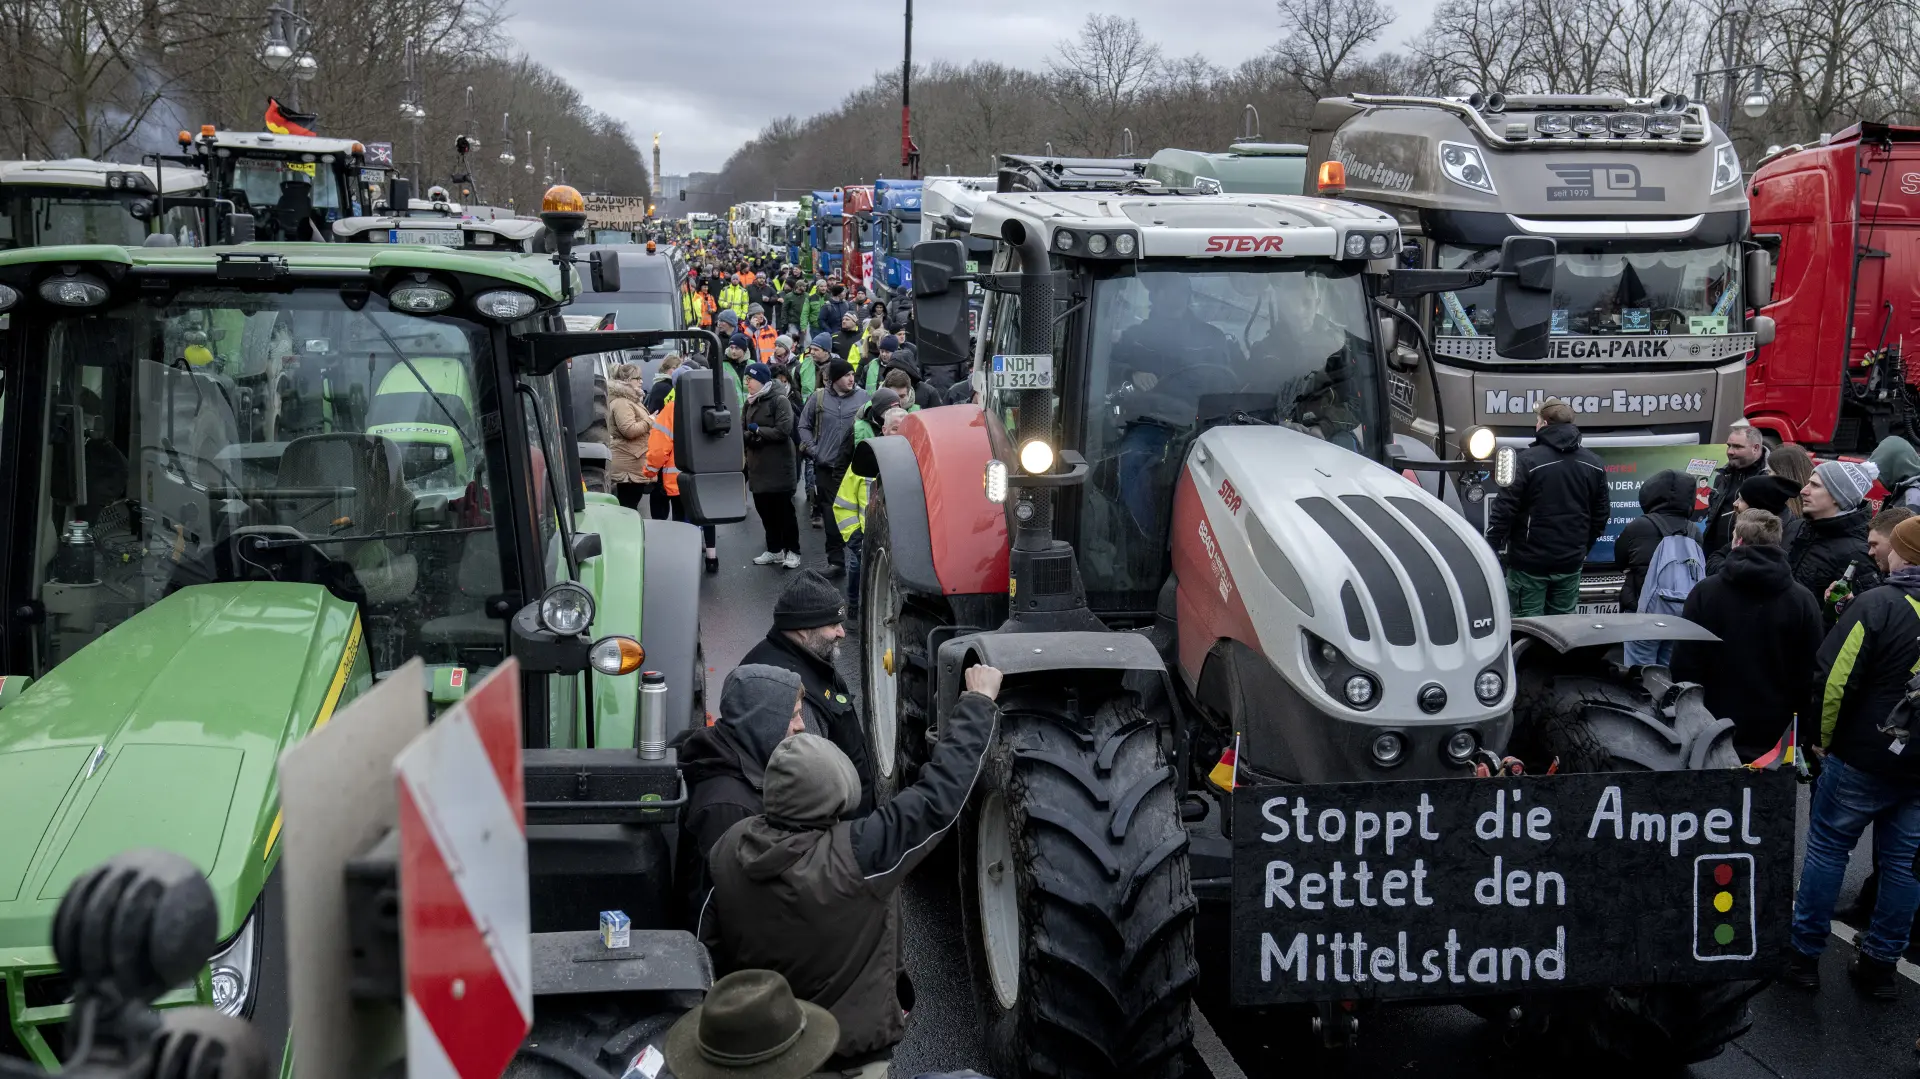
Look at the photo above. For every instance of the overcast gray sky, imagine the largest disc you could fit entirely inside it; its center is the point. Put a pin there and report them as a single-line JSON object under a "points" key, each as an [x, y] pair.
{"points": [[698, 73]]}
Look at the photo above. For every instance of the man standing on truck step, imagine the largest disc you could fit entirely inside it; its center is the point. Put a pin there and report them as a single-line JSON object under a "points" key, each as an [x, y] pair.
{"points": [[1863, 674], [826, 439], [809, 622], [1746, 458], [1544, 524], [811, 888]]}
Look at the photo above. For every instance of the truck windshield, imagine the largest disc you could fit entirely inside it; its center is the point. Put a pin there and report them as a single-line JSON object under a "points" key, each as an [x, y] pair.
{"points": [[227, 435], [69, 217], [1611, 288], [1182, 346]]}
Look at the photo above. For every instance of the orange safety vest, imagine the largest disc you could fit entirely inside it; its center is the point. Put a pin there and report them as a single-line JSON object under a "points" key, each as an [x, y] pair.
{"points": [[708, 308], [660, 450], [763, 339]]}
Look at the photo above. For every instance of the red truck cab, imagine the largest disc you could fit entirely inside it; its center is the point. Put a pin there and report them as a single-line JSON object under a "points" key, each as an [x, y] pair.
{"points": [[856, 265], [1842, 219]]}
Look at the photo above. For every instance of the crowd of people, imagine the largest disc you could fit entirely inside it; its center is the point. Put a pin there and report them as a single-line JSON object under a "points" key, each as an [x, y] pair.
{"points": [[1814, 594]]}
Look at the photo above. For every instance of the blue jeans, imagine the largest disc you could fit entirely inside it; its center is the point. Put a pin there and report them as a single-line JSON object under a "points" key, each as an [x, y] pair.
{"points": [[1646, 653], [854, 543], [1845, 801]]}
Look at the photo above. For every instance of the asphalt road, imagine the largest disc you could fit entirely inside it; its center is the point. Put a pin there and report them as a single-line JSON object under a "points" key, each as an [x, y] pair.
{"points": [[1835, 1034]]}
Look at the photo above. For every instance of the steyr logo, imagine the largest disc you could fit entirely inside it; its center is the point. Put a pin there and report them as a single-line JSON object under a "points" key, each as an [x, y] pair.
{"points": [[1602, 181], [1242, 245]]}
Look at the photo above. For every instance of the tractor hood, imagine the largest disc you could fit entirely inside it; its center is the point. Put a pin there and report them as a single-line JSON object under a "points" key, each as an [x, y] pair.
{"points": [[1289, 536], [164, 732]]}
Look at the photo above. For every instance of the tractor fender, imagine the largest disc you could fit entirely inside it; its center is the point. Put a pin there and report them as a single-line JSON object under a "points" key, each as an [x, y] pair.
{"points": [[932, 473], [1572, 632], [1086, 653], [670, 624]]}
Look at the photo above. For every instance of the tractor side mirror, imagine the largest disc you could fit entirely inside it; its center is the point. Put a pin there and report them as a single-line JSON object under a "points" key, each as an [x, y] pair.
{"points": [[604, 271], [709, 446], [940, 325], [1759, 278], [1523, 302]]}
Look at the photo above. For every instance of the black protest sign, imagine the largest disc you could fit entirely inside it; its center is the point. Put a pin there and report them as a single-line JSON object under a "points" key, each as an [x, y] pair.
{"points": [[1462, 887]]}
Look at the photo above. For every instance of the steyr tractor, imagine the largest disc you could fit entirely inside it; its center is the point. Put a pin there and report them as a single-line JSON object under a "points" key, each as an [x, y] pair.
{"points": [[1180, 522], [239, 485]]}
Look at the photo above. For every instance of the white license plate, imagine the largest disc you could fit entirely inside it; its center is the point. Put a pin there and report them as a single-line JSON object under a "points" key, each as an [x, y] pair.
{"points": [[1026, 372], [1598, 608], [430, 237]]}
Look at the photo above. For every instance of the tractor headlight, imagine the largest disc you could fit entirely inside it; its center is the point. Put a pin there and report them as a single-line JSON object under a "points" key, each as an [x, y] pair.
{"points": [[1360, 691], [1388, 749], [1490, 686], [995, 481], [1097, 244], [420, 299], [504, 304], [567, 609], [232, 970], [1063, 240], [1377, 246], [1481, 443], [1356, 245], [1506, 464], [1125, 244], [8, 297], [1036, 458], [1462, 745], [74, 290]]}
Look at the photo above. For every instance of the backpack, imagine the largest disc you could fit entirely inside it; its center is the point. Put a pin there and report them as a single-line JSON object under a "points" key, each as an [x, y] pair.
{"points": [[1678, 564]]}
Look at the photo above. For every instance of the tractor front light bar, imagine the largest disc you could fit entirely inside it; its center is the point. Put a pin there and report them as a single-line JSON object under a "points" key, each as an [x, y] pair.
{"points": [[1097, 243]]}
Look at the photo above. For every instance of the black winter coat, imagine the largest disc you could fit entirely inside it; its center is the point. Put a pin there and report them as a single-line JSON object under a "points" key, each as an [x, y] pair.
{"points": [[1821, 549], [1666, 509], [1760, 672], [1557, 507], [829, 707], [772, 463], [1726, 487], [718, 797], [1862, 672]]}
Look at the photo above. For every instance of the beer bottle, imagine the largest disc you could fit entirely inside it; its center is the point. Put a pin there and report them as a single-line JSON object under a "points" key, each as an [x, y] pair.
{"points": [[1841, 591]]}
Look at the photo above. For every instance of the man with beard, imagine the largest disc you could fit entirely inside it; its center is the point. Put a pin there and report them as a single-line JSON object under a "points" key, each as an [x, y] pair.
{"points": [[808, 626]]}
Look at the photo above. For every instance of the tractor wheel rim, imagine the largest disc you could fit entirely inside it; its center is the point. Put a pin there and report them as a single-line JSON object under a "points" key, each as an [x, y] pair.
{"points": [[882, 652], [999, 900]]}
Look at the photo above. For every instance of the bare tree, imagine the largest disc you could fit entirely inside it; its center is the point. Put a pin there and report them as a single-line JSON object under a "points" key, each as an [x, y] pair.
{"points": [[1323, 37], [1572, 40], [1481, 44], [1098, 77]]}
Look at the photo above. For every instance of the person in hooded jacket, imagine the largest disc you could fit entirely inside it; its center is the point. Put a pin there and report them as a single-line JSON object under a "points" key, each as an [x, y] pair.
{"points": [[1867, 775], [810, 889], [1666, 509], [1547, 520], [1760, 672], [725, 767], [771, 470], [1833, 534], [906, 360], [1899, 469], [809, 624]]}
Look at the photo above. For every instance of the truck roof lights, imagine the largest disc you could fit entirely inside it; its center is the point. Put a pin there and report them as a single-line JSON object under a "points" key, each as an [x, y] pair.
{"points": [[1553, 123], [1463, 165], [1665, 124], [1589, 123], [1627, 124]]}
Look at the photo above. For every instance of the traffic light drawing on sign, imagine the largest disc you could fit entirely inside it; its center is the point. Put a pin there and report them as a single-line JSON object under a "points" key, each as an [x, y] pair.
{"points": [[1723, 908]]}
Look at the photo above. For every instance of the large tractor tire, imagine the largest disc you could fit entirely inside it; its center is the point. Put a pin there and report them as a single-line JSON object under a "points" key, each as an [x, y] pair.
{"points": [[896, 682], [1596, 724], [1077, 904]]}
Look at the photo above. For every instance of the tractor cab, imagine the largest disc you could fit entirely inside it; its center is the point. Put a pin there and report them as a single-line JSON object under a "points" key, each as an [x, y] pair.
{"points": [[241, 486], [294, 186], [43, 203]]}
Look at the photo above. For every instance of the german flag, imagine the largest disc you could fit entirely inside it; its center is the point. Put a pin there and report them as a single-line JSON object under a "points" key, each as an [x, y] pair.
{"points": [[282, 122], [1226, 774]]}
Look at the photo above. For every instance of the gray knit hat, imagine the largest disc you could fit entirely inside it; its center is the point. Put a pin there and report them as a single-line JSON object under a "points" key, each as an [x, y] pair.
{"points": [[808, 602], [1847, 481]]}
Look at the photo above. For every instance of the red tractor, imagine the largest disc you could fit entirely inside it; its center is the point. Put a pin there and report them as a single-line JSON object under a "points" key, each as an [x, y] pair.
{"points": [[1182, 526]]}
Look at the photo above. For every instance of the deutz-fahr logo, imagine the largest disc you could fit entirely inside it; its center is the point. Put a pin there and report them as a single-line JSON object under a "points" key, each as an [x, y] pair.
{"points": [[1601, 181], [1243, 245]]}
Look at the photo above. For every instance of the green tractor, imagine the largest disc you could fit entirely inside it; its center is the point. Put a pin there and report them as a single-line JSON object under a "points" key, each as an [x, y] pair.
{"points": [[239, 486]]}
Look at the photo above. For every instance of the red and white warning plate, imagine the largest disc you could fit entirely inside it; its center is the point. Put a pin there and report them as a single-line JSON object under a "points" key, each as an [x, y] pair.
{"points": [[463, 886]]}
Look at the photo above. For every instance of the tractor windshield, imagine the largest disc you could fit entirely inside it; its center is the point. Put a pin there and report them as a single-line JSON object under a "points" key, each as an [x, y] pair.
{"points": [[78, 216], [1178, 347], [227, 435]]}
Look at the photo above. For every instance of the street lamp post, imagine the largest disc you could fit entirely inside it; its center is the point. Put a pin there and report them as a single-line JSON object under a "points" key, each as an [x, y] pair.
{"points": [[285, 52], [410, 107], [1756, 101]]}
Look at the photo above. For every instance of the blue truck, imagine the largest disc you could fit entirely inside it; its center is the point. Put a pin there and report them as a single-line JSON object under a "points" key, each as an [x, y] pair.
{"points": [[896, 219], [823, 235]]}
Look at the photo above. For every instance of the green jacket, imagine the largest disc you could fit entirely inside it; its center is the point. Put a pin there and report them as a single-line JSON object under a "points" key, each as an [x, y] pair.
{"points": [[793, 308], [1861, 673], [862, 430], [809, 376], [810, 313]]}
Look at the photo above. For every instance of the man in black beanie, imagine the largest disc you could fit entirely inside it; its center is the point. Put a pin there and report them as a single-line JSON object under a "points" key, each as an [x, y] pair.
{"points": [[808, 626]]}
